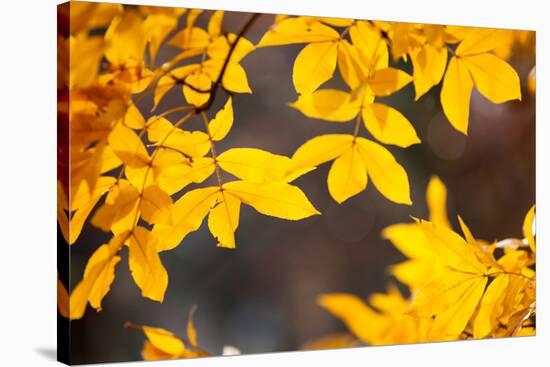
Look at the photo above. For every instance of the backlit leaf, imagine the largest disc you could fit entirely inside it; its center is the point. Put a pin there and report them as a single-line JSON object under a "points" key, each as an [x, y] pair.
{"points": [[386, 174], [145, 265], [455, 94], [314, 65], [347, 176], [388, 125], [276, 199]]}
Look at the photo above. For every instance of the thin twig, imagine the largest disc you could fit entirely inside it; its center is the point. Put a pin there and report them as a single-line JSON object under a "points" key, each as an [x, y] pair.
{"points": [[217, 83]]}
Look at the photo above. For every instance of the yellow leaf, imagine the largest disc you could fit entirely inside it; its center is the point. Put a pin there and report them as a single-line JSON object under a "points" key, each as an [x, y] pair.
{"points": [[359, 318], [156, 27], [191, 331], [84, 15], [164, 340], [133, 118], [349, 64], [167, 82], [347, 176], [84, 205], [429, 65], [327, 104], [409, 238], [223, 219], [125, 39], [221, 124], [202, 83], [494, 78], [321, 149], [218, 50], [128, 147], [151, 353], [466, 231], [514, 261], [193, 38], [215, 24], [139, 177], [173, 179], [443, 292], [477, 41], [384, 82], [388, 125], [402, 39], [85, 56], [235, 80], [298, 30], [436, 198], [449, 324], [276, 199], [121, 209], [370, 44], [490, 307], [162, 132], [255, 165], [416, 273], [390, 302], [62, 299], [187, 215], [455, 94], [145, 265], [314, 65], [452, 249], [387, 175], [529, 228], [98, 277], [155, 205]]}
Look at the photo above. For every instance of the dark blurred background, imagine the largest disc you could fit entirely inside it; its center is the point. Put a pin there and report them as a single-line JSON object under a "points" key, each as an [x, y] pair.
{"points": [[261, 297]]}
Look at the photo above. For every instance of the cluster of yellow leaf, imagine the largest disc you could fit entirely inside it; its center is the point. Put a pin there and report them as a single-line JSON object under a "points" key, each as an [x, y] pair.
{"points": [[476, 60], [460, 287], [162, 344], [361, 51], [363, 63], [127, 167]]}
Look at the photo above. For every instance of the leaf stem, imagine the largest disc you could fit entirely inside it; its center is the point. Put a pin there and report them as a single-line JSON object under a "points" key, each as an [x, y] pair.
{"points": [[212, 150], [357, 126]]}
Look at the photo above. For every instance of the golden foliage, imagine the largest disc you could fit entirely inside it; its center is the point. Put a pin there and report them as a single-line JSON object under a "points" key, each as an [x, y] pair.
{"points": [[130, 172], [460, 287]]}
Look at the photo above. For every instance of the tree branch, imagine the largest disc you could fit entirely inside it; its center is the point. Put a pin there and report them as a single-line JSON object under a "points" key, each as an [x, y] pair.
{"points": [[218, 82]]}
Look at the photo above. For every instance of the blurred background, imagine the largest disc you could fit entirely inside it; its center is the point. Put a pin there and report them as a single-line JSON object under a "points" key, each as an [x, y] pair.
{"points": [[261, 297]]}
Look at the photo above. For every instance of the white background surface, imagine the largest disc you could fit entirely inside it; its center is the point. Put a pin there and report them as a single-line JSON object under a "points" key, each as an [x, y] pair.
{"points": [[28, 179]]}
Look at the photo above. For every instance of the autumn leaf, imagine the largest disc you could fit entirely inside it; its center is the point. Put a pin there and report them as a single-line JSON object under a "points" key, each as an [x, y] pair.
{"points": [[473, 65], [220, 125], [276, 199], [188, 212], [387, 175], [347, 176], [436, 198], [223, 219], [256, 165], [145, 264], [429, 65], [98, 277], [163, 344]]}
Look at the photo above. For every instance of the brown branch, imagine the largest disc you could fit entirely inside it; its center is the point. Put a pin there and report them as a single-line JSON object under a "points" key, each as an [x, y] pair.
{"points": [[218, 82], [183, 82]]}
